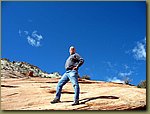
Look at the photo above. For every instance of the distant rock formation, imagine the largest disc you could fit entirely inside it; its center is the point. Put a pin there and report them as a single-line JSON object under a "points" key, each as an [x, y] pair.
{"points": [[24, 68]]}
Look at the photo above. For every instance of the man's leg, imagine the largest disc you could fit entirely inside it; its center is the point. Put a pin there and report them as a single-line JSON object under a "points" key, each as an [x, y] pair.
{"points": [[64, 79], [73, 76]]}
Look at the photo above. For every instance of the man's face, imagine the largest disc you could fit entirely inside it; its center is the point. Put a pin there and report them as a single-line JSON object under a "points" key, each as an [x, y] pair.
{"points": [[72, 50]]}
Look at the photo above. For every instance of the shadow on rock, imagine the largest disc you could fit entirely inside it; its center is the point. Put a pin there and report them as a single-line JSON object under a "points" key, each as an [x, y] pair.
{"points": [[83, 101]]}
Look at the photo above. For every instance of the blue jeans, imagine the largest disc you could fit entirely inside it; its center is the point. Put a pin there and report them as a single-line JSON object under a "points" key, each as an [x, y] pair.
{"points": [[71, 75]]}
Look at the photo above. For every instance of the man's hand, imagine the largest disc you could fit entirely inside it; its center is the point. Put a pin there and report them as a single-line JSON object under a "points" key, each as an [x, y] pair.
{"points": [[75, 68]]}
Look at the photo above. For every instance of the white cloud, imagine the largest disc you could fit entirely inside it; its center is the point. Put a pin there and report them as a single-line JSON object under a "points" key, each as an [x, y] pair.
{"points": [[115, 79], [125, 77], [139, 51], [31, 41], [23, 33], [26, 32], [33, 38], [38, 44], [124, 74], [35, 35], [121, 73], [19, 32], [126, 66], [110, 64]]}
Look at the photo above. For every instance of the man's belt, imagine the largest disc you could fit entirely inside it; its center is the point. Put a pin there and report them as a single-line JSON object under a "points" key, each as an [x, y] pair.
{"points": [[69, 68]]}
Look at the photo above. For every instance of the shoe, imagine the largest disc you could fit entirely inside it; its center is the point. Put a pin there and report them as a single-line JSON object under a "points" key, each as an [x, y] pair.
{"points": [[75, 103], [55, 101]]}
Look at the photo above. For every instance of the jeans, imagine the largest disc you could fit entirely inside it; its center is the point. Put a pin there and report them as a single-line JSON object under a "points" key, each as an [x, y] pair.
{"points": [[71, 75]]}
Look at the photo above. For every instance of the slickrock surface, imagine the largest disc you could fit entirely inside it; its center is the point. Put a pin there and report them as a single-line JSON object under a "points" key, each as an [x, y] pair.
{"points": [[20, 92]]}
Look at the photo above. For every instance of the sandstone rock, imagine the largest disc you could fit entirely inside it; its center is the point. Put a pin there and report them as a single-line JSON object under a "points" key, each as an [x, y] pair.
{"points": [[35, 93]]}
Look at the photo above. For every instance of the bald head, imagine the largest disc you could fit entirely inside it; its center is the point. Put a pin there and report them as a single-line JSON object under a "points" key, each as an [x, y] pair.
{"points": [[72, 50]]}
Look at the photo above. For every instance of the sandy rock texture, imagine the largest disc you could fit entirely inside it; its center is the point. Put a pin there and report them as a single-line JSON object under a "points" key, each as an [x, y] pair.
{"points": [[20, 92]]}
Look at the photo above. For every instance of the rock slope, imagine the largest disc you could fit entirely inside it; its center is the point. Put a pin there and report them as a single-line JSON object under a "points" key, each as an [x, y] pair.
{"points": [[21, 92], [24, 68]]}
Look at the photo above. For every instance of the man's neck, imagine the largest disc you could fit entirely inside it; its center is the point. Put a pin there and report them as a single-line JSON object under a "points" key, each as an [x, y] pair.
{"points": [[72, 53]]}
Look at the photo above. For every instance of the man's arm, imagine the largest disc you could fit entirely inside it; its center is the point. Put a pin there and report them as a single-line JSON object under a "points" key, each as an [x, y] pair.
{"points": [[80, 61]]}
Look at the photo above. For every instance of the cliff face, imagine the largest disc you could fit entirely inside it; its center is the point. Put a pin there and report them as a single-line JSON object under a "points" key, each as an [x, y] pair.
{"points": [[19, 92]]}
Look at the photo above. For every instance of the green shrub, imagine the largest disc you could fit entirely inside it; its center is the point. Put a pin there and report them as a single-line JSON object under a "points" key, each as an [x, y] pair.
{"points": [[86, 77]]}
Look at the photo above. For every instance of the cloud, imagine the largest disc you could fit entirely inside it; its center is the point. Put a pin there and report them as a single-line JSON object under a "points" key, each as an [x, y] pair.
{"points": [[33, 42], [33, 38], [35, 35], [139, 51], [121, 73], [126, 66], [19, 32], [125, 74], [23, 33], [115, 79], [26, 32], [109, 64]]}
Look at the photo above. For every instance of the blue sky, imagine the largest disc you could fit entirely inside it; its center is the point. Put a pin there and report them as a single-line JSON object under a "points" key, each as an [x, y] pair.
{"points": [[110, 36]]}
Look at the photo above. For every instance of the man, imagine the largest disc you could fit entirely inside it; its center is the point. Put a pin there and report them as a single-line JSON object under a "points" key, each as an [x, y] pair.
{"points": [[72, 65]]}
